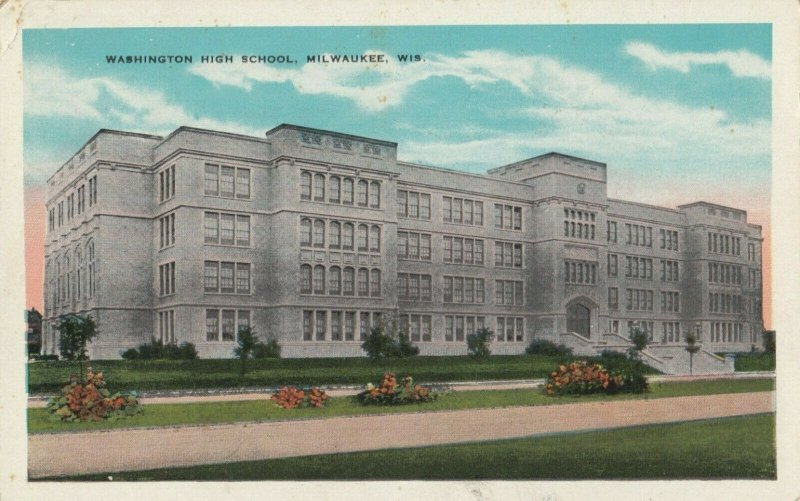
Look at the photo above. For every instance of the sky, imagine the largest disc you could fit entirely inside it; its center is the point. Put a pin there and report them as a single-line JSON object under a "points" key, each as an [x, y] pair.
{"points": [[678, 112]]}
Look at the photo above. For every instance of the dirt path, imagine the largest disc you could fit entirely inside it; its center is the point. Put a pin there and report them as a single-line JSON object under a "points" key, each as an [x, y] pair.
{"points": [[139, 449]]}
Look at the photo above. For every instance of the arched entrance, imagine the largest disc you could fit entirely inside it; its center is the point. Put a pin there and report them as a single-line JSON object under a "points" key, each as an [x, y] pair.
{"points": [[579, 319]]}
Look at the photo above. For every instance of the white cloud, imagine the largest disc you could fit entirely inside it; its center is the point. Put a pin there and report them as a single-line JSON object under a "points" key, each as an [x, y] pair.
{"points": [[52, 92], [741, 63]]}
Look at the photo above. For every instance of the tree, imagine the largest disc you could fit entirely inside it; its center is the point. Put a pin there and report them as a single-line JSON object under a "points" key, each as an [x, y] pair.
{"points": [[639, 339], [692, 347], [247, 342], [74, 333], [769, 342], [378, 344], [478, 343]]}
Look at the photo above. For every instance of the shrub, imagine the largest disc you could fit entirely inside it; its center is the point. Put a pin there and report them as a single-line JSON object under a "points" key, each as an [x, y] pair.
{"points": [[290, 397], [91, 401], [548, 348], [582, 378], [478, 343], [270, 349], [155, 350], [44, 358], [380, 345], [769, 342], [391, 393]]}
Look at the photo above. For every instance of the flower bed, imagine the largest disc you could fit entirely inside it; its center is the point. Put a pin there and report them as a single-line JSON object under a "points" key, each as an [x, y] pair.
{"points": [[583, 378], [290, 397], [91, 401], [389, 392]]}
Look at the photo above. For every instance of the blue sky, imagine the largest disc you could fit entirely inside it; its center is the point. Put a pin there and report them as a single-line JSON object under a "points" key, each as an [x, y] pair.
{"points": [[679, 112]]}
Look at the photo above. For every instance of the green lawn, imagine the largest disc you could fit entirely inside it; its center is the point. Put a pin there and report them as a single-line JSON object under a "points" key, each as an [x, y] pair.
{"points": [[748, 362], [728, 448], [145, 375], [265, 410]]}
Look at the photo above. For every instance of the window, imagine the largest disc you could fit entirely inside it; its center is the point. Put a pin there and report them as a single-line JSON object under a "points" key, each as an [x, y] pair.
{"points": [[166, 230], [507, 217], [374, 194], [611, 227], [166, 181], [347, 236], [580, 272], [510, 329], [243, 231], [417, 327], [305, 232], [363, 282], [211, 276], [321, 324], [638, 267], [212, 325], [70, 206], [725, 244], [613, 298], [613, 263], [751, 252], [671, 332], [462, 250], [319, 188], [92, 190], [228, 325], [212, 180], [362, 237], [233, 321], [645, 327], [462, 211], [639, 300], [670, 301], [336, 326], [349, 325], [455, 287], [670, 271], [362, 193], [227, 225], [579, 224], [374, 239], [226, 277], [347, 191], [166, 326], [91, 278], [335, 237], [334, 189], [413, 204], [319, 280], [639, 235], [457, 327], [52, 219], [349, 282], [319, 233], [412, 245], [507, 254], [375, 282], [166, 274], [364, 325], [413, 287], [668, 239], [305, 185], [211, 227], [335, 281], [509, 292], [60, 213], [227, 182]]}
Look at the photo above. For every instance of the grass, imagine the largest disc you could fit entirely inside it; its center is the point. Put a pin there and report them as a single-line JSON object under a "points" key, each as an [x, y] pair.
{"points": [[748, 362], [148, 375], [726, 448], [264, 410]]}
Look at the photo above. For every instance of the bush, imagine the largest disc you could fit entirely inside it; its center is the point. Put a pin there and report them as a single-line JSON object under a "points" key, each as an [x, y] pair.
{"points": [[478, 343], [91, 401], [769, 342], [156, 350], [290, 397], [270, 349], [380, 345], [548, 348], [584, 378], [391, 393]]}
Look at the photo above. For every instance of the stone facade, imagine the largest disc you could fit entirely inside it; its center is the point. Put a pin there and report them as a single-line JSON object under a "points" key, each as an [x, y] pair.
{"points": [[313, 236]]}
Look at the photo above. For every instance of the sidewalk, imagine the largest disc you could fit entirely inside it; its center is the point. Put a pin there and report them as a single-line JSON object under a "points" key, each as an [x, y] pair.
{"points": [[139, 449]]}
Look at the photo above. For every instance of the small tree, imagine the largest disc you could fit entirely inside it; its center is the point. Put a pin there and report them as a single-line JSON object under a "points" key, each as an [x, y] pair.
{"points": [[74, 333], [478, 343], [769, 342], [378, 344], [639, 339], [247, 342], [692, 348]]}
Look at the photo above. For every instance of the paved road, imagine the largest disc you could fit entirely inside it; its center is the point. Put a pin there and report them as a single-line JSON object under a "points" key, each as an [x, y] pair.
{"points": [[139, 449]]}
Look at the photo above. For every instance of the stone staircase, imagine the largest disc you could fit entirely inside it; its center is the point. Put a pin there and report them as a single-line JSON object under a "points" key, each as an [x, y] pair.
{"points": [[666, 358]]}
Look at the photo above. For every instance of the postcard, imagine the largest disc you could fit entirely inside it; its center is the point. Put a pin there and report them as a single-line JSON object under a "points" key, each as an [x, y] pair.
{"points": [[452, 250]]}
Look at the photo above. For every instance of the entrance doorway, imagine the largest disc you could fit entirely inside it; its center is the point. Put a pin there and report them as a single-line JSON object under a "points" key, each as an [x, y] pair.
{"points": [[578, 319]]}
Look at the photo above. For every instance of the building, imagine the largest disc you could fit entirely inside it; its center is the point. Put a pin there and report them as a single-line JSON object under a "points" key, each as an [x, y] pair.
{"points": [[313, 236]]}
